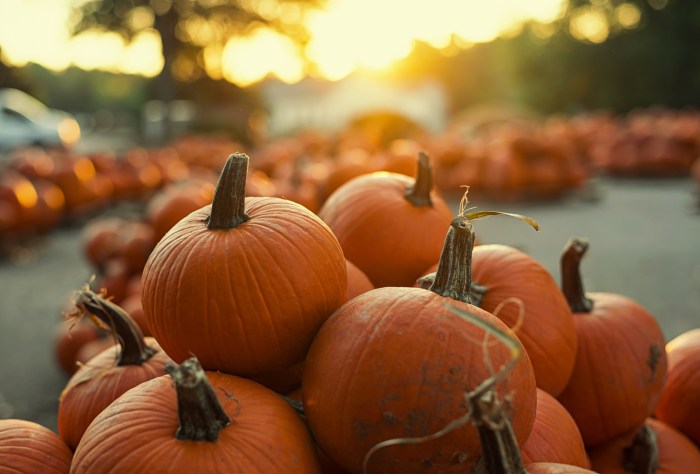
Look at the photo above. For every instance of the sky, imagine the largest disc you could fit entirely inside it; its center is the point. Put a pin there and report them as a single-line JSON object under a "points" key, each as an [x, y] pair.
{"points": [[344, 38]]}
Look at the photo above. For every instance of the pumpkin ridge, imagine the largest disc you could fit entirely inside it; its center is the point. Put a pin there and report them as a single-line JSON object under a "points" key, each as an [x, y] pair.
{"points": [[181, 261]]}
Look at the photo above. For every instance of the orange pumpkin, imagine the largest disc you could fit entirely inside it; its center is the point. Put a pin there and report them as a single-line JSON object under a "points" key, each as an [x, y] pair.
{"points": [[554, 438], [681, 395], [395, 362], [102, 379], [358, 282], [210, 422], [389, 225], [259, 278], [656, 447], [621, 361], [27, 447]]}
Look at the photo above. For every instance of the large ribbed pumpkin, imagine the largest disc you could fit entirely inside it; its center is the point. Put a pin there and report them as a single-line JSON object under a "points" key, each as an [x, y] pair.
{"points": [[243, 284], [396, 362], [389, 225], [208, 423]]}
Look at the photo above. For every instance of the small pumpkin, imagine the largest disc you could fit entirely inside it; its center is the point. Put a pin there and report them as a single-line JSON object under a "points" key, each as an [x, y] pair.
{"points": [[28, 447], [210, 422], [621, 360], [389, 225], [102, 379], [655, 447], [358, 282], [554, 438], [681, 394]]}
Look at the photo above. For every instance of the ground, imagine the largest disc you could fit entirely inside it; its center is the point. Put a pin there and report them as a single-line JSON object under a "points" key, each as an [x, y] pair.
{"points": [[644, 243]]}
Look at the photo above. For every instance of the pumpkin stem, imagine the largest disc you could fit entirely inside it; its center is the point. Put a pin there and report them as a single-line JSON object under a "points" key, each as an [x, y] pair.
{"points": [[228, 206], [453, 278], [476, 293], [642, 455], [200, 413], [134, 350], [571, 282], [419, 193], [500, 451]]}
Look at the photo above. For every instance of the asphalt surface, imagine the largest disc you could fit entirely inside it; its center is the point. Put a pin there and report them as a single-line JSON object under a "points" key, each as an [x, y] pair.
{"points": [[644, 243]]}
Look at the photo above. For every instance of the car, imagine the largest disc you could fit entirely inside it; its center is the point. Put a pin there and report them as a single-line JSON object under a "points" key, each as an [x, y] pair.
{"points": [[25, 121]]}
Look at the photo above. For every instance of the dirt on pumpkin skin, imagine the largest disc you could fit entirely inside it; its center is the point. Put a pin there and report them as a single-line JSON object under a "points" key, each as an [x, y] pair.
{"points": [[655, 354]]}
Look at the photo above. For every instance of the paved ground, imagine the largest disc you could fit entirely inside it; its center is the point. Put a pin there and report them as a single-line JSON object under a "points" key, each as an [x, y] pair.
{"points": [[645, 243]]}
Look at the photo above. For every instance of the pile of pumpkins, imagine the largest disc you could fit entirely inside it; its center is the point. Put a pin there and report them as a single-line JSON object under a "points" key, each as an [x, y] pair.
{"points": [[505, 161], [374, 336]]}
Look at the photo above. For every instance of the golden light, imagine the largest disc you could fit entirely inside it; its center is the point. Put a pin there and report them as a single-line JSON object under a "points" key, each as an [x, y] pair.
{"points": [[250, 59], [84, 169], [589, 24], [96, 50], [345, 36], [628, 15], [355, 34], [69, 131], [25, 193]]}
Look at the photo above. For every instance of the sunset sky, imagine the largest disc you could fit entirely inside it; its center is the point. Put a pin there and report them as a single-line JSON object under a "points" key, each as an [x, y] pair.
{"points": [[344, 37]]}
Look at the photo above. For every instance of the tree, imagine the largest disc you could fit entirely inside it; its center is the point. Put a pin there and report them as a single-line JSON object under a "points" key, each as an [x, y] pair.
{"points": [[177, 21]]}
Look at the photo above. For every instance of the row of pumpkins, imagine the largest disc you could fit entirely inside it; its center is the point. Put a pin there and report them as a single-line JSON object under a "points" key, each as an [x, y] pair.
{"points": [[388, 342], [513, 160]]}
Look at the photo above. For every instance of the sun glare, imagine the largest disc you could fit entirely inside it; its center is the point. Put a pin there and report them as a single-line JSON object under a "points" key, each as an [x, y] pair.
{"points": [[345, 36], [250, 59]]}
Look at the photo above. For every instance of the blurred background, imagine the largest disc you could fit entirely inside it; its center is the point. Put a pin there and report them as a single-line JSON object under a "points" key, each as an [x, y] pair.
{"points": [[117, 116]]}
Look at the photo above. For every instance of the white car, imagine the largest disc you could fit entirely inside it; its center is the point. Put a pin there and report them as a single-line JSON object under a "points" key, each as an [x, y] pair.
{"points": [[25, 121]]}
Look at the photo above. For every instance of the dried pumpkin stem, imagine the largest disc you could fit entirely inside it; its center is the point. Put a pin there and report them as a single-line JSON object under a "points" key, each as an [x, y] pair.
{"points": [[642, 455], [453, 278], [228, 206], [500, 451], [200, 413], [134, 350], [571, 282], [419, 193]]}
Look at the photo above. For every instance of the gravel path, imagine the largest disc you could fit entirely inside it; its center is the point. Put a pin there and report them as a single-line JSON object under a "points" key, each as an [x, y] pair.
{"points": [[644, 236]]}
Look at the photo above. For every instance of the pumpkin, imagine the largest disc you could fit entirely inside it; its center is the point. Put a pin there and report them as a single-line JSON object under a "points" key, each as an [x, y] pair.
{"points": [[554, 438], [99, 239], [176, 201], [395, 362], [68, 341], [28, 447], [134, 243], [389, 225], [211, 422], [655, 447], [542, 319], [681, 394], [358, 282], [102, 379], [620, 363], [243, 284]]}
